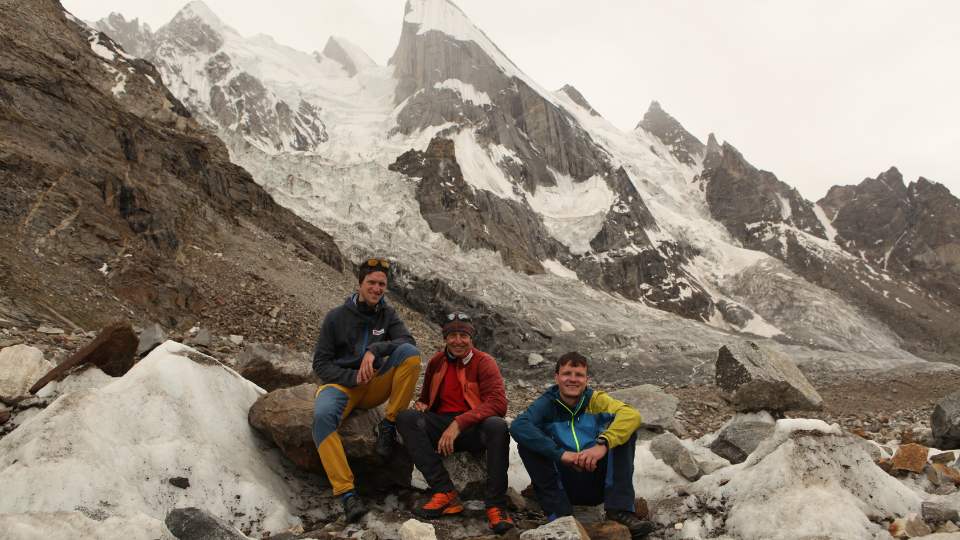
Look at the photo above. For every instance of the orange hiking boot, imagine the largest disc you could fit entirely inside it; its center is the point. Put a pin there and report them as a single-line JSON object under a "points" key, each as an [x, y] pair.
{"points": [[441, 504], [499, 520]]}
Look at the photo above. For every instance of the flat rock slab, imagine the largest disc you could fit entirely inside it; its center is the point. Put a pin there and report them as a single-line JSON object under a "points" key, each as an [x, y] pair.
{"points": [[754, 377], [273, 366], [565, 528], [112, 351], [20, 366], [657, 408], [910, 457]]}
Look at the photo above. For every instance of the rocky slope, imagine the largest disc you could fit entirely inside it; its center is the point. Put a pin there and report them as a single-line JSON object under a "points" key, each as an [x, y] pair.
{"points": [[117, 204]]}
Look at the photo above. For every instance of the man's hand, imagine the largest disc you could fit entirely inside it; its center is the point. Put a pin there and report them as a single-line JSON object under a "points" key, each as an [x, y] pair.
{"points": [[445, 444], [587, 459], [365, 373], [570, 460], [420, 406]]}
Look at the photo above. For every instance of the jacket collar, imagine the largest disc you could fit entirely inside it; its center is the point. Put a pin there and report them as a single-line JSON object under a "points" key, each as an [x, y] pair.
{"points": [[465, 360]]}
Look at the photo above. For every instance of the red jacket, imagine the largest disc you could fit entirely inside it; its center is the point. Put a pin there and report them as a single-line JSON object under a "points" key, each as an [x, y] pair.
{"points": [[480, 380]]}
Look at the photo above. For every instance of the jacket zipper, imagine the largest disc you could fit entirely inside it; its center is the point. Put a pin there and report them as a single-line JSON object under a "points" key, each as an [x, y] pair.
{"points": [[573, 417]]}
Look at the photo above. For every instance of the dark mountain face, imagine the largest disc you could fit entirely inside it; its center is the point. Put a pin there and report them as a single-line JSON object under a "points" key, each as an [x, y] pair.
{"points": [[109, 186]]}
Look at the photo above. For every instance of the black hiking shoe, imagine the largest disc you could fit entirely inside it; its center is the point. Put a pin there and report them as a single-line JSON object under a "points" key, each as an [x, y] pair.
{"points": [[386, 438], [353, 508], [638, 528]]}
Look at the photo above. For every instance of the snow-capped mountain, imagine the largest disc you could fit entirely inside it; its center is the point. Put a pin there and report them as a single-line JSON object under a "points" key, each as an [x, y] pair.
{"points": [[527, 203]]}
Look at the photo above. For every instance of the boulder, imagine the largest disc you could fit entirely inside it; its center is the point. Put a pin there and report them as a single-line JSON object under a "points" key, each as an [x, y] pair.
{"points": [[196, 524], [467, 471], [755, 377], [152, 336], [273, 366], [534, 359], [285, 416], [945, 422], [910, 457], [668, 448], [657, 408], [417, 530], [565, 528], [112, 351], [741, 436], [909, 527], [20, 366]]}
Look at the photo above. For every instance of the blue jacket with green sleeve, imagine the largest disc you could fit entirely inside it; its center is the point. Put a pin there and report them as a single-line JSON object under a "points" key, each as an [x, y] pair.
{"points": [[550, 427]]}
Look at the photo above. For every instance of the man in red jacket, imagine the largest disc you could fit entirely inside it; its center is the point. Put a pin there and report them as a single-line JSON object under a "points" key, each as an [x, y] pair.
{"points": [[461, 408]]}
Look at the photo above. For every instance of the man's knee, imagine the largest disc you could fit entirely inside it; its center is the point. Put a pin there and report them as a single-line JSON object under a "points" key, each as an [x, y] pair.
{"points": [[494, 427], [409, 419], [406, 350]]}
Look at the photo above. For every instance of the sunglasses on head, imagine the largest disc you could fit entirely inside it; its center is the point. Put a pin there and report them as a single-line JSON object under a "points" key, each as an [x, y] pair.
{"points": [[374, 263], [458, 315]]}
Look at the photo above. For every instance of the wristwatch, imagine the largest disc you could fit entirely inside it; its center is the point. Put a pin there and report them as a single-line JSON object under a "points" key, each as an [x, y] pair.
{"points": [[602, 441]]}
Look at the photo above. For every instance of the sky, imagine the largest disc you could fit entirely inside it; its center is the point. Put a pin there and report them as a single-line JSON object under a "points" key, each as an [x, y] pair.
{"points": [[819, 92]]}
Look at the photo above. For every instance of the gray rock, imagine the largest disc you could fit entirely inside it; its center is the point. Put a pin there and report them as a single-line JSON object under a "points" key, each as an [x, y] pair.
{"points": [[20, 367], [151, 336], [516, 500], [755, 377], [534, 360], [565, 528], [945, 422], [196, 524], [741, 435], [202, 338], [235, 339], [50, 330], [668, 448], [657, 408], [273, 366], [938, 512]]}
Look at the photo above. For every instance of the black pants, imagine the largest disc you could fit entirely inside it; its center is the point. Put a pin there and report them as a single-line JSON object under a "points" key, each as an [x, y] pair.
{"points": [[422, 430], [558, 486]]}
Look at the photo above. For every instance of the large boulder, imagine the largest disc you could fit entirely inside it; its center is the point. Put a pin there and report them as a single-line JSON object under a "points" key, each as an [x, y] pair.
{"points": [[286, 417], [741, 436], [945, 422], [755, 377], [112, 351], [20, 366], [657, 408], [273, 366], [195, 524], [667, 448], [565, 528], [151, 337]]}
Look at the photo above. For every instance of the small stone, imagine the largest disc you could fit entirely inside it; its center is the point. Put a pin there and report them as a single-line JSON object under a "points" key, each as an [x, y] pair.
{"points": [[235, 339], [196, 524], [642, 508], [152, 336], [948, 527], [565, 528], [20, 367], [201, 339], [50, 330], [274, 312], [932, 475], [938, 512], [948, 472], [607, 530], [943, 457], [180, 482], [534, 360], [910, 457], [417, 530]]}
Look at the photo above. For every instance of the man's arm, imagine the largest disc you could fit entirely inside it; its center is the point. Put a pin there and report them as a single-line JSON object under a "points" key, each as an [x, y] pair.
{"points": [[493, 395], [626, 419], [397, 334], [324, 355], [528, 429]]}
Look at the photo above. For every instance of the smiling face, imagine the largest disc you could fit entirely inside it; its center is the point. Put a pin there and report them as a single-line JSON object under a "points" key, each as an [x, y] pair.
{"points": [[459, 344], [372, 287], [572, 381]]}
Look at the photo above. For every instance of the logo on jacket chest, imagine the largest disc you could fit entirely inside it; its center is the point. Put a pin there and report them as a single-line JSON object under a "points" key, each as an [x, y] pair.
{"points": [[378, 331]]}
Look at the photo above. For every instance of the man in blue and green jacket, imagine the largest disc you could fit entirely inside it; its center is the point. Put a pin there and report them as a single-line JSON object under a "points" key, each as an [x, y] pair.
{"points": [[578, 446]]}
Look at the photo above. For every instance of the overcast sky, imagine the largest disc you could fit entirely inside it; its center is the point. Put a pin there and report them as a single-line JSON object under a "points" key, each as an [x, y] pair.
{"points": [[819, 92]]}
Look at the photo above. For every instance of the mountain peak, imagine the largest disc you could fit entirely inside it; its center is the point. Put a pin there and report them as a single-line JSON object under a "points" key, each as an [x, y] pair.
{"points": [[348, 55], [578, 98], [683, 145], [198, 10]]}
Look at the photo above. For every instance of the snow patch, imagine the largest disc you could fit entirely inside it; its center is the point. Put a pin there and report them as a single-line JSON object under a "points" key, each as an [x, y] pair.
{"points": [[479, 169], [573, 212], [558, 269], [785, 210], [467, 92]]}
